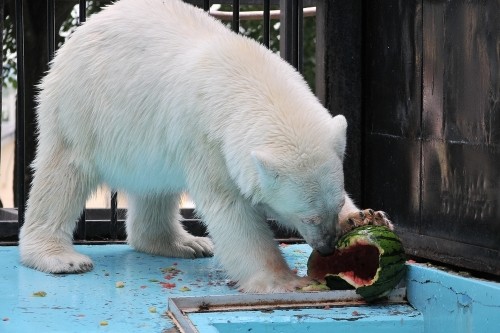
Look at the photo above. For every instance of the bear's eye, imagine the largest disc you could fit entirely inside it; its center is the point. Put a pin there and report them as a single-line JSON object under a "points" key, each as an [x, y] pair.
{"points": [[314, 220], [342, 203]]}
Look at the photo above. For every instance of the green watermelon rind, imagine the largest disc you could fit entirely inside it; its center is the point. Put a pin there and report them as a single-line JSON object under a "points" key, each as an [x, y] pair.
{"points": [[392, 260], [335, 282], [384, 287]]}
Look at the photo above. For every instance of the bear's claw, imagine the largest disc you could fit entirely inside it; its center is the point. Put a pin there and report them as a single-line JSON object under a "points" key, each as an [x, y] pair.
{"points": [[364, 217]]}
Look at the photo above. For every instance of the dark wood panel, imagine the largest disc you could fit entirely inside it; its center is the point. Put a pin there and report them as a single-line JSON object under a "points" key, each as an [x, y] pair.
{"points": [[392, 109], [339, 76], [477, 258], [432, 112], [460, 193], [461, 122], [392, 53], [461, 86], [392, 178]]}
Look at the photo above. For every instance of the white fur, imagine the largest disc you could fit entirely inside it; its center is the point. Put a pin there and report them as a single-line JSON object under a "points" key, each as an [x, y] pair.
{"points": [[154, 98]]}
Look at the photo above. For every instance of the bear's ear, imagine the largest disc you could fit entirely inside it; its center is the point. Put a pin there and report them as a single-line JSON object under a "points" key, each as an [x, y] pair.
{"points": [[266, 167], [339, 135]]}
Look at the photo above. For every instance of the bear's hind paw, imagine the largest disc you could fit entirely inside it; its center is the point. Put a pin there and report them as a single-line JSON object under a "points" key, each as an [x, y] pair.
{"points": [[188, 246]]}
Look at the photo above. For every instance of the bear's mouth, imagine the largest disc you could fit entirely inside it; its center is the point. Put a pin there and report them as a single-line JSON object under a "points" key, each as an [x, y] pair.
{"points": [[325, 250], [324, 246]]}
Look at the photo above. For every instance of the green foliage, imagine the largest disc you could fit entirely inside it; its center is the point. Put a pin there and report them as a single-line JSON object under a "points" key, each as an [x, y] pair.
{"points": [[9, 66]]}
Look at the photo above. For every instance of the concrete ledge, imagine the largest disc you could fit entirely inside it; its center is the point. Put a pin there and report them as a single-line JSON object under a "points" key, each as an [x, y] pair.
{"points": [[453, 303]]}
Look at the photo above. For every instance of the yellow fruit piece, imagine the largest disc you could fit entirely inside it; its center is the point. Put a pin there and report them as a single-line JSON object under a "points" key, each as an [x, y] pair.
{"points": [[40, 294]]}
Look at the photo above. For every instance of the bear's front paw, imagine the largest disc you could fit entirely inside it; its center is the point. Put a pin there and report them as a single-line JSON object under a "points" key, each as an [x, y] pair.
{"points": [[364, 217]]}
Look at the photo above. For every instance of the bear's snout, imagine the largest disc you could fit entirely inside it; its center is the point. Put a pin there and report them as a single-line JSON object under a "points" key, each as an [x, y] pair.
{"points": [[325, 246], [325, 250]]}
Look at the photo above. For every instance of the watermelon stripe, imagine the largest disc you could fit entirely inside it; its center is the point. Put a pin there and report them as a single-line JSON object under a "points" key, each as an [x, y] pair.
{"points": [[394, 252], [393, 260], [383, 287], [388, 284], [391, 277], [371, 237], [391, 246], [391, 239]]}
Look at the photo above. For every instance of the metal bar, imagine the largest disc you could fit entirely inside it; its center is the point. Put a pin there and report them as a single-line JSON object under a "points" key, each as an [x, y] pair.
{"points": [[286, 30], [113, 228], [81, 231], [51, 29], [295, 37], [292, 15], [321, 52], [297, 33], [267, 22], [300, 35], [1, 85], [82, 11], [20, 119], [253, 15], [236, 16]]}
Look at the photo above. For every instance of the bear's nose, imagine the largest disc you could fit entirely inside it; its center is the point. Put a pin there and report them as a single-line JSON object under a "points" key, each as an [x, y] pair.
{"points": [[325, 250]]}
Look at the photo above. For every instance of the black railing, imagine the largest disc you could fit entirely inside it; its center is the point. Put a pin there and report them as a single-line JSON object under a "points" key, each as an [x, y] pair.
{"points": [[20, 111]]}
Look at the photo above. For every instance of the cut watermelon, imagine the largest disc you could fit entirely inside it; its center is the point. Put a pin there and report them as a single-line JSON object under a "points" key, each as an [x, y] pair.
{"points": [[370, 259]]}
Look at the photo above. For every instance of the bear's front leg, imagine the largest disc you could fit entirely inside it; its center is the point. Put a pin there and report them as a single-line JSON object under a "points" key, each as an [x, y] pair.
{"points": [[245, 246], [351, 217]]}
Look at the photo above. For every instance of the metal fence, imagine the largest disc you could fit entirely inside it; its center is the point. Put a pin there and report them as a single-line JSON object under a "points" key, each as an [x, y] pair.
{"points": [[107, 225]]}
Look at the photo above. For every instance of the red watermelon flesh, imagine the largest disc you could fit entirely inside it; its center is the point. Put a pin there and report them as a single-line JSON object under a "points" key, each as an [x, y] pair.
{"points": [[358, 263]]}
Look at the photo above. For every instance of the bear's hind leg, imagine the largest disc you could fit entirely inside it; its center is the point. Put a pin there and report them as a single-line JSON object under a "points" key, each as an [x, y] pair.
{"points": [[153, 226], [57, 197]]}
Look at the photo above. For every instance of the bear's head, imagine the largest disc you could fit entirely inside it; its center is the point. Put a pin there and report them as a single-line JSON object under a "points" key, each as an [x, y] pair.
{"points": [[307, 192]]}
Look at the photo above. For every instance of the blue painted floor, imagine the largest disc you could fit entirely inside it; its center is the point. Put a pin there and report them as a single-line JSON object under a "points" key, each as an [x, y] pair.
{"points": [[128, 292]]}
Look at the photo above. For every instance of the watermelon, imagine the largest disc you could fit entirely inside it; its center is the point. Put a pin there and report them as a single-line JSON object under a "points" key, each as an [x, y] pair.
{"points": [[370, 259]]}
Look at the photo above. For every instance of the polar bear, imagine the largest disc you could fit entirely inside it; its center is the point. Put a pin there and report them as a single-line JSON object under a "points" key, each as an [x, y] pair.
{"points": [[155, 98]]}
